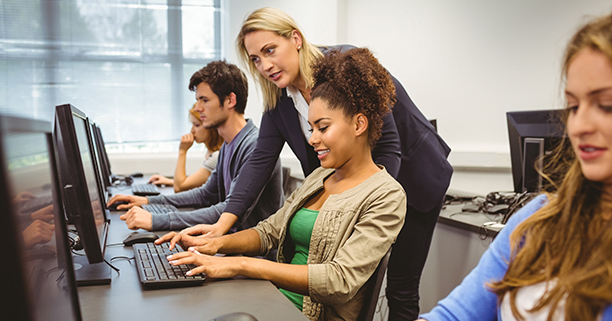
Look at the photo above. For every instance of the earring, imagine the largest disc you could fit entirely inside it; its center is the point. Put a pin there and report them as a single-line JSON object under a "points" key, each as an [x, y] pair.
{"points": [[299, 47]]}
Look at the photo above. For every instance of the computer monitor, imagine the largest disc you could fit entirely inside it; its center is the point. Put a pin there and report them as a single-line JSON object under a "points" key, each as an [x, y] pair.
{"points": [[82, 202], [38, 276], [103, 156], [98, 163], [532, 135]]}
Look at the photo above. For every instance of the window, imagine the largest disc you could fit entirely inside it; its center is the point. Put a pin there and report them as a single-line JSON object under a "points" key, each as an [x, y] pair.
{"points": [[125, 63]]}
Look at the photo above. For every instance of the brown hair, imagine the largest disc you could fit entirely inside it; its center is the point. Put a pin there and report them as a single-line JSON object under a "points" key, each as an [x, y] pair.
{"points": [[214, 139], [223, 78], [355, 82], [277, 21], [567, 240]]}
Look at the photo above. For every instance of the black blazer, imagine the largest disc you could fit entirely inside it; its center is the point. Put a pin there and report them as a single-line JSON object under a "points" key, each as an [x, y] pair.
{"points": [[409, 148]]}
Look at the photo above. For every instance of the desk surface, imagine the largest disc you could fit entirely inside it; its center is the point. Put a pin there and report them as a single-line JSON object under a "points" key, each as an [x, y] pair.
{"points": [[124, 298], [452, 215], [474, 222]]}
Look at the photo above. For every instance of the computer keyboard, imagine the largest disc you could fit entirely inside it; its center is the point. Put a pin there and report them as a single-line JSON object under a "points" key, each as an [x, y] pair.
{"points": [[156, 272], [159, 208], [145, 189], [36, 203]]}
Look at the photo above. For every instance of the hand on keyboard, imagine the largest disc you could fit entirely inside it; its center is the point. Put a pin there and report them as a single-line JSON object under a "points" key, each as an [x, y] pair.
{"points": [[213, 266], [161, 180], [156, 272], [190, 237], [137, 218], [130, 199]]}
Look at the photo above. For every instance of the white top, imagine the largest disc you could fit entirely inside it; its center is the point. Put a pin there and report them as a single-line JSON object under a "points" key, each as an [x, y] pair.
{"points": [[210, 163], [302, 108], [527, 297]]}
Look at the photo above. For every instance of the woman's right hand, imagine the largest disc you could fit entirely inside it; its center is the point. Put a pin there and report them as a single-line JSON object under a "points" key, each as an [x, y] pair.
{"points": [[186, 142], [161, 180]]}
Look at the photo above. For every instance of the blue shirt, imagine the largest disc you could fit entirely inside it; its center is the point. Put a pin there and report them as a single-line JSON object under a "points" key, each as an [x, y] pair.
{"points": [[472, 299], [228, 151]]}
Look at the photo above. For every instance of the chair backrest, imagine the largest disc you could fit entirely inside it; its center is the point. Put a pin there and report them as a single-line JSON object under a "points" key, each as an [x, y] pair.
{"points": [[373, 290], [286, 181]]}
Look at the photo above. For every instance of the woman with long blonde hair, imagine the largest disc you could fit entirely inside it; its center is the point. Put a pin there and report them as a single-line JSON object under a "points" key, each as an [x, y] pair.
{"points": [[332, 232], [279, 57], [553, 260]]}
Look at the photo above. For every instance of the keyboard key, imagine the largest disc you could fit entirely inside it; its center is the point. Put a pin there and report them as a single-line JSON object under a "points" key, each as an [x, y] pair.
{"points": [[145, 189]]}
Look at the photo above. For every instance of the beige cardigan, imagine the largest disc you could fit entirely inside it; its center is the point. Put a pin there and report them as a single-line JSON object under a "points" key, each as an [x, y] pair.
{"points": [[351, 234]]}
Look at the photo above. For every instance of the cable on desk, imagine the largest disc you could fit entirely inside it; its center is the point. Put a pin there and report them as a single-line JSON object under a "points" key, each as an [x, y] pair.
{"points": [[112, 266], [520, 201], [483, 233], [123, 257], [464, 213], [118, 180]]}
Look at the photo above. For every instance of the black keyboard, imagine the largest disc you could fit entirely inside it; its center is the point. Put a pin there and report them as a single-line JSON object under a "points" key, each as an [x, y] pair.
{"points": [[159, 208], [156, 272], [145, 190]]}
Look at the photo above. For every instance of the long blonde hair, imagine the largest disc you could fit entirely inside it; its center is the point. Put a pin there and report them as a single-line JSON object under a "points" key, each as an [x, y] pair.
{"points": [[277, 21], [567, 241]]}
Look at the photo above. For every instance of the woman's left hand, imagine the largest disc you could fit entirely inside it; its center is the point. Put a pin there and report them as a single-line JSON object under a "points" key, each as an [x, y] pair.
{"points": [[213, 266]]}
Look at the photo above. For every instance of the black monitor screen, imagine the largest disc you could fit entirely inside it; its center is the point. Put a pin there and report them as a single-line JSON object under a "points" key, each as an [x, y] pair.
{"points": [[39, 278], [532, 136], [82, 201], [105, 170], [98, 159], [80, 126]]}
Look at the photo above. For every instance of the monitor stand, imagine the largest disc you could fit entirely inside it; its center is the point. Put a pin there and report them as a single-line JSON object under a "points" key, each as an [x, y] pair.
{"points": [[90, 273]]}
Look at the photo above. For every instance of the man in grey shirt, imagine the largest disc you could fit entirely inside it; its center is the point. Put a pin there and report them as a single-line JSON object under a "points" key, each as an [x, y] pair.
{"points": [[221, 93]]}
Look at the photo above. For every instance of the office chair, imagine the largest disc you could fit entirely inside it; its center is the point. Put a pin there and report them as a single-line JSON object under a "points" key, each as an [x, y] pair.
{"points": [[373, 290]]}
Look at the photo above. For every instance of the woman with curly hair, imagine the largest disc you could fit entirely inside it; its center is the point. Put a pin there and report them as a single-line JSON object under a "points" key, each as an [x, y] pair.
{"points": [[333, 230], [279, 58], [553, 260], [199, 134]]}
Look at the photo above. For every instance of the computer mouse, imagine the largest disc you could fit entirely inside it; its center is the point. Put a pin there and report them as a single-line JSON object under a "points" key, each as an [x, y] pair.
{"points": [[235, 316], [140, 237], [137, 174], [113, 207]]}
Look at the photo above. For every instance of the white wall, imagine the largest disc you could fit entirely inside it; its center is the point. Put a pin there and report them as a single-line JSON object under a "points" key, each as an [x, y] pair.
{"points": [[465, 63]]}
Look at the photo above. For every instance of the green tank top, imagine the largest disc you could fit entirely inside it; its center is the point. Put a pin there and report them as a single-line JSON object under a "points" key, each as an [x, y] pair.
{"points": [[300, 230]]}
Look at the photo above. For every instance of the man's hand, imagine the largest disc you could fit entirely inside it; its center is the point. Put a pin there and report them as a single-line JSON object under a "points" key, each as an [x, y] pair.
{"points": [[38, 232], [131, 201], [137, 218], [44, 214]]}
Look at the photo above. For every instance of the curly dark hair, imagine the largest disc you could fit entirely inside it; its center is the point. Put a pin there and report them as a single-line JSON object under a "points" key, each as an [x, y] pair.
{"points": [[355, 82]]}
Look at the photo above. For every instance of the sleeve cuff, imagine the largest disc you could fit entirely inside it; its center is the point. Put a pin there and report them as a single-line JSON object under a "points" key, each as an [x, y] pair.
{"points": [[160, 222]]}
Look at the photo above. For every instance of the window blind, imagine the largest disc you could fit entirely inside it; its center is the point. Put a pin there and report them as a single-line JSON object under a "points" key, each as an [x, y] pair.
{"points": [[125, 63]]}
